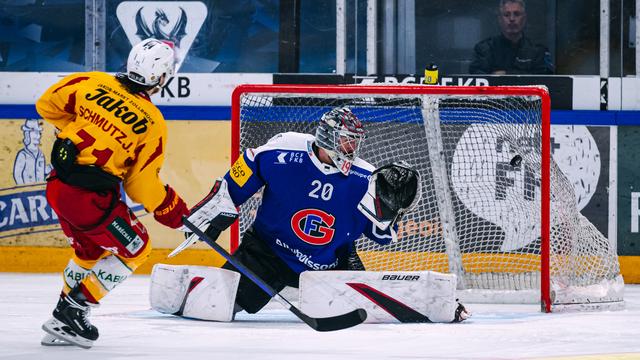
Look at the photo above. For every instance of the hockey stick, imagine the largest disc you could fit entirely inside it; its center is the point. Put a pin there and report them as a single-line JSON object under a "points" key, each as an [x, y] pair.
{"points": [[185, 244], [331, 323]]}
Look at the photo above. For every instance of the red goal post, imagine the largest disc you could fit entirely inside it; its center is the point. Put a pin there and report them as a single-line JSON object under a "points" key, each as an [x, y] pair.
{"points": [[447, 114]]}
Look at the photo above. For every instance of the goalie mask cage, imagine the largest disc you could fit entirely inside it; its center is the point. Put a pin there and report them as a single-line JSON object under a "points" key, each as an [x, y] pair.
{"points": [[495, 208]]}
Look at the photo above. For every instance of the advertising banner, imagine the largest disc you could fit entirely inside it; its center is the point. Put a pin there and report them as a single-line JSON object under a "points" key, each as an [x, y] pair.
{"points": [[142, 20], [628, 190], [25, 217], [197, 153], [581, 153], [560, 87], [182, 89]]}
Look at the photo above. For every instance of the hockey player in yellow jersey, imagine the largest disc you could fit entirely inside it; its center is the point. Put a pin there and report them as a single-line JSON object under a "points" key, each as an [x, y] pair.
{"points": [[109, 133]]}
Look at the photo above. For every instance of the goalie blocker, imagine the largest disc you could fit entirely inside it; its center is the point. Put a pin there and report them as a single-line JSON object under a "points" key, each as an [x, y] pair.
{"points": [[208, 293], [213, 214]]}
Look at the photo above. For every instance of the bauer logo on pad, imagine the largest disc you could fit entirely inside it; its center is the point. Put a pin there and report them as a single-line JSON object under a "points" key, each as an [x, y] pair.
{"points": [[176, 22]]}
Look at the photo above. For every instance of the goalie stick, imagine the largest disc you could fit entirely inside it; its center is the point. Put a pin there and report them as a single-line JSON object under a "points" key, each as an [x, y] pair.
{"points": [[331, 323]]}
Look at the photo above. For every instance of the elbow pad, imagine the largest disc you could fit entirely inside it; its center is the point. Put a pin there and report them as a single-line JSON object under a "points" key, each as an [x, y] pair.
{"points": [[171, 210]]}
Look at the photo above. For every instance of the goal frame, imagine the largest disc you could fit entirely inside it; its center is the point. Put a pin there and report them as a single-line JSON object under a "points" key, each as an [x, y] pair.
{"points": [[545, 187]]}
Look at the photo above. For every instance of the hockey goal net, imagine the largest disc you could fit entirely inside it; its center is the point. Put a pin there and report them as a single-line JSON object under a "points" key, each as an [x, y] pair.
{"points": [[495, 210]]}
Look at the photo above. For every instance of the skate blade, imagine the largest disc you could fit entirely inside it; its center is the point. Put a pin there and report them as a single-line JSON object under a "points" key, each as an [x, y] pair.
{"points": [[50, 340], [61, 331]]}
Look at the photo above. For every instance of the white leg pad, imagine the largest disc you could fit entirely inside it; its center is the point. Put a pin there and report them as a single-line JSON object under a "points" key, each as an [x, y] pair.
{"points": [[388, 297], [111, 272], [74, 273], [198, 292]]}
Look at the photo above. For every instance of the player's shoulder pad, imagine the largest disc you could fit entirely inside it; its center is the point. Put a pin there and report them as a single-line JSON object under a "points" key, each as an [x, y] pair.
{"points": [[73, 79], [100, 76], [283, 141]]}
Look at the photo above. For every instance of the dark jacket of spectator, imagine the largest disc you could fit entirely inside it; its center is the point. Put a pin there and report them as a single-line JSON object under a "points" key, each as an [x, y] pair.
{"points": [[497, 53]]}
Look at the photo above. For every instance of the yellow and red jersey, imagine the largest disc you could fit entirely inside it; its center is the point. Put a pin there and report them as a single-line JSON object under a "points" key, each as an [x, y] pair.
{"points": [[122, 133]]}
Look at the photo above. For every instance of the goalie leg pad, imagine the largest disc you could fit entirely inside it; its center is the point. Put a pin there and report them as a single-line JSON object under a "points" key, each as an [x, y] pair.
{"points": [[168, 287], [388, 297], [198, 292]]}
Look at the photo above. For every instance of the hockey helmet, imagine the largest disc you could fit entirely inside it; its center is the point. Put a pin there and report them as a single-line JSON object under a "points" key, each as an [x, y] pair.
{"points": [[149, 60], [340, 133]]}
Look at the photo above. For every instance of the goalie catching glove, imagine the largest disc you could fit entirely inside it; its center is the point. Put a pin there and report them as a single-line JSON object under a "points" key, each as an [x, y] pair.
{"points": [[213, 214], [393, 190]]}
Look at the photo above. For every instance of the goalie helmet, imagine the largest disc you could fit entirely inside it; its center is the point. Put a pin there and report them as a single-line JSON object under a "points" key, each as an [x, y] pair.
{"points": [[149, 60], [340, 134]]}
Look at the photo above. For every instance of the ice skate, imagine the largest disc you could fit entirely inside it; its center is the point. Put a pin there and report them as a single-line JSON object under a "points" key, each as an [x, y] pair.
{"points": [[50, 340], [70, 320]]}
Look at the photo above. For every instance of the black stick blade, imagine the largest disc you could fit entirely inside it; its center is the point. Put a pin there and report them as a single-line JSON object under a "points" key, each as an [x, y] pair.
{"points": [[332, 323]]}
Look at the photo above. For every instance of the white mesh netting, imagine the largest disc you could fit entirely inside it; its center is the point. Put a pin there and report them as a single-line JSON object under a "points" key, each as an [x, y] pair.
{"points": [[480, 212]]}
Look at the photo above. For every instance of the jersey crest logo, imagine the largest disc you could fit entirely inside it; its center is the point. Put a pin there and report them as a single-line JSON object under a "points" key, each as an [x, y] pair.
{"points": [[313, 226]]}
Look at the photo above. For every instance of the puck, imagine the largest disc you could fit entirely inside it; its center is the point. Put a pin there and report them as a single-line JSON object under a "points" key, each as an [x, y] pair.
{"points": [[516, 160]]}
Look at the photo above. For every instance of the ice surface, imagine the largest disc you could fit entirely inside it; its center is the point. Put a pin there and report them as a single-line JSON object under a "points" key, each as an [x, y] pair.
{"points": [[130, 330]]}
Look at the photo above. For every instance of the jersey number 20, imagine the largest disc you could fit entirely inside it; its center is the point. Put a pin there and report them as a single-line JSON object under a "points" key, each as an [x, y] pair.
{"points": [[325, 190]]}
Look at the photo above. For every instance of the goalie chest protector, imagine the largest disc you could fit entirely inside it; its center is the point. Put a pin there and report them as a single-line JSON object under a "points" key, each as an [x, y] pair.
{"points": [[308, 214]]}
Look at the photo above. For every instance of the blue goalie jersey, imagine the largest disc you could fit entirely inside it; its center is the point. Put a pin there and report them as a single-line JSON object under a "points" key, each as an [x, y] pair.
{"points": [[309, 215]]}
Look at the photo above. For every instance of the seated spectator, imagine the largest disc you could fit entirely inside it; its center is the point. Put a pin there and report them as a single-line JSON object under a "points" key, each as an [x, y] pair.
{"points": [[511, 52]]}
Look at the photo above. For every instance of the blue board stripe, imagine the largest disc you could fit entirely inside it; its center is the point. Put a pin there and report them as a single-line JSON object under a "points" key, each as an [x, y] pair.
{"points": [[169, 112], [559, 117]]}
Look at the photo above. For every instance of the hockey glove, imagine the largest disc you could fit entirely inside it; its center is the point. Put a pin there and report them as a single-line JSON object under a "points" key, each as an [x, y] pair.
{"points": [[213, 214], [393, 190], [170, 211]]}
